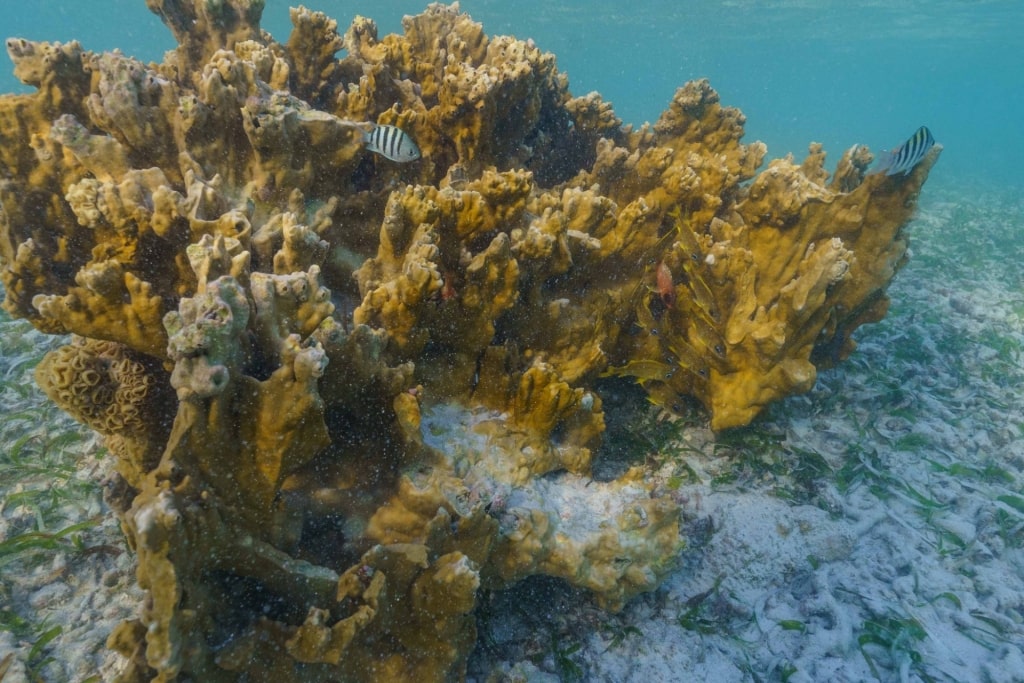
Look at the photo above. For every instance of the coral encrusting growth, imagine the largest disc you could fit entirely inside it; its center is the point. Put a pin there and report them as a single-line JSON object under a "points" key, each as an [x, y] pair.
{"points": [[385, 380]]}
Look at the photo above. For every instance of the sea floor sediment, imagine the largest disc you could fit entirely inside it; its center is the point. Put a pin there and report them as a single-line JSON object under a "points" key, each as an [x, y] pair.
{"points": [[870, 529]]}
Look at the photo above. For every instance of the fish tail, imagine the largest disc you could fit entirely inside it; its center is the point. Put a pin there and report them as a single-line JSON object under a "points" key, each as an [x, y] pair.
{"points": [[884, 163]]}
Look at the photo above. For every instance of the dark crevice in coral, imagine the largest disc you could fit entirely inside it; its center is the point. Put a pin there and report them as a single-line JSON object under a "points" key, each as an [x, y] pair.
{"points": [[241, 600]]}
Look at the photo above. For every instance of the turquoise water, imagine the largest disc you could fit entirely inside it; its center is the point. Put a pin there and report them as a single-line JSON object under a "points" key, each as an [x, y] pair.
{"points": [[839, 73]]}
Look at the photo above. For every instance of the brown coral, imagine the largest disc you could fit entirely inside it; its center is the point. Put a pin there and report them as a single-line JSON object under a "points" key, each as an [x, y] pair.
{"points": [[114, 391], [387, 378]]}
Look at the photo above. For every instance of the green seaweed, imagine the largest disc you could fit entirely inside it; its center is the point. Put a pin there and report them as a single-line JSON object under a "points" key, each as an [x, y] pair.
{"points": [[1015, 502], [897, 638], [617, 634], [14, 624], [793, 625], [990, 472], [1011, 529], [35, 654], [947, 595], [34, 541], [913, 442], [697, 615], [565, 665]]}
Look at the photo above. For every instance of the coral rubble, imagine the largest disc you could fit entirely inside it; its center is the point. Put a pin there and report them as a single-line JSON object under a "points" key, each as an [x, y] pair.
{"points": [[385, 380]]}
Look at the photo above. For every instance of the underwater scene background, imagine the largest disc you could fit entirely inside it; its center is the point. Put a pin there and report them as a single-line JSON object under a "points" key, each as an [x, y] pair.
{"points": [[870, 529], [839, 73]]}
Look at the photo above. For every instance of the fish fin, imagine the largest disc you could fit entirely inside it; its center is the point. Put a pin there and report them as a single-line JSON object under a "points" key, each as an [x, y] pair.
{"points": [[884, 161], [364, 128]]}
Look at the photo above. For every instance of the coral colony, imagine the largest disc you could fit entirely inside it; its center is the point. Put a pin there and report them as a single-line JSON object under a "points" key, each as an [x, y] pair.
{"points": [[346, 388]]}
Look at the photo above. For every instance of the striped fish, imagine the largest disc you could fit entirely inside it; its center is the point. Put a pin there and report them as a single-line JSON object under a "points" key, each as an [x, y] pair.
{"points": [[391, 143], [904, 158]]}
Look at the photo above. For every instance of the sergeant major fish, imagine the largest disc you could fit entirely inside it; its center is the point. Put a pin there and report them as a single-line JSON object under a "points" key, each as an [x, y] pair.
{"points": [[391, 143], [904, 158]]}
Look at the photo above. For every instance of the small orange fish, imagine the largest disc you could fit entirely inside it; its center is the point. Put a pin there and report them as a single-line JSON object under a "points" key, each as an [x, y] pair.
{"points": [[664, 284], [448, 288]]}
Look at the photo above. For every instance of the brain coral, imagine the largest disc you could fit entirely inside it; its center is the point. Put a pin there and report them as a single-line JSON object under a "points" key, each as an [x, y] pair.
{"points": [[105, 386], [347, 394]]}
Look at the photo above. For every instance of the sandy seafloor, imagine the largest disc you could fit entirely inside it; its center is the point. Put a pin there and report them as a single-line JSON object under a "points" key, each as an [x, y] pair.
{"points": [[872, 529]]}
